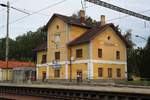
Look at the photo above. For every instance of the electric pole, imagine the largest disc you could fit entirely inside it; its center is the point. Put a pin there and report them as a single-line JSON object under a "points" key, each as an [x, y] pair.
{"points": [[7, 35], [7, 40]]}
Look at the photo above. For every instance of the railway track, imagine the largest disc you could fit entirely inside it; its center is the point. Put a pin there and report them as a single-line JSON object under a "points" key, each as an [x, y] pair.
{"points": [[72, 94]]}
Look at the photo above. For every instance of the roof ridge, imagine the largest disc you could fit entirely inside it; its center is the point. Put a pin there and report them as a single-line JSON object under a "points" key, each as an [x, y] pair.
{"points": [[70, 20]]}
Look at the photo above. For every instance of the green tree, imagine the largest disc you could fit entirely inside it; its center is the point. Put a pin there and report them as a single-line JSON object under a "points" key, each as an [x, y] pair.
{"points": [[22, 48], [3, 48], [28, 42], [132, 56], [145, 61]]}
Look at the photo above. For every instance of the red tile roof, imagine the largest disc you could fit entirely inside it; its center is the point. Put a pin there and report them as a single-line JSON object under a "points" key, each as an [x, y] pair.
{"points": [[15, 64]]}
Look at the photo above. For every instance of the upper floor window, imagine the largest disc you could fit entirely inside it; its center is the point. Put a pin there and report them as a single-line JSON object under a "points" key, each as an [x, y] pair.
{"points": [[57, 38], [117, 54], [57, 55], [43, 59], [100, 53], [118, 72], [100, 72], [78, 53], [108, 37], [57, 26], [57, 73], [110, 72]]}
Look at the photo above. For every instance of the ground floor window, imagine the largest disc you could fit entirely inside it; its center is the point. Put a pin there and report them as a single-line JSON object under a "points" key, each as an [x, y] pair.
{"points": [[110, 72], [57, 73], [100, 72], [118, 72]]}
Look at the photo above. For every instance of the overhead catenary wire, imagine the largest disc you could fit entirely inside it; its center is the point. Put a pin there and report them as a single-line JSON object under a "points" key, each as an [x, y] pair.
{"points": [[36, 12], [117, 18], [119, 9], [125, 16]]}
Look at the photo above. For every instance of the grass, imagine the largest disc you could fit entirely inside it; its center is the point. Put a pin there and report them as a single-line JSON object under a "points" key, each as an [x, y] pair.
{"points": [[134, 82]]}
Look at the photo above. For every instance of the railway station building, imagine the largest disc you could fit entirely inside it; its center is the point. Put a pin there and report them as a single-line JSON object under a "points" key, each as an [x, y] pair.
{"points": [[76, 48]]}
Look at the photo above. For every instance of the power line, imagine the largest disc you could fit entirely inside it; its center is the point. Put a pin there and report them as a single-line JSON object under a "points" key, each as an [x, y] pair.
{"points": [[10, 3], [49, 6], [119, 9], [36, 12], [121, 16], [127, 15], [14, 1]]}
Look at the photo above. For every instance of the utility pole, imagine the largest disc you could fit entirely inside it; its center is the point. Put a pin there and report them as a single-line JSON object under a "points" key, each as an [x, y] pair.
{"points": [[7, 39], [7, 34]]}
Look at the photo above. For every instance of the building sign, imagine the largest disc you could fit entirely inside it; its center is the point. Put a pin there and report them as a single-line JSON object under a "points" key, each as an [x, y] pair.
{"points": [[55, 64]]}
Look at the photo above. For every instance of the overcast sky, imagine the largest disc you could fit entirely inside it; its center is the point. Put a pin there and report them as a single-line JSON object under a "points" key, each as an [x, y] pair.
{"points": [[68, 7]]}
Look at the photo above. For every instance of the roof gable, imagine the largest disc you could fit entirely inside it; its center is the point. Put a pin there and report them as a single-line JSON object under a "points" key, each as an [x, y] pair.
{"points": [[92, 33], [70, 20]]}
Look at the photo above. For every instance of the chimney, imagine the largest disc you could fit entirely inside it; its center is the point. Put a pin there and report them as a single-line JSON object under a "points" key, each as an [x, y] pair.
{"points": [[102, 20], [82, 16]]}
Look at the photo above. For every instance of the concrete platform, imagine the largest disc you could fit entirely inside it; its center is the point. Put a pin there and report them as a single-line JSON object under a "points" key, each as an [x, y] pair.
{"points": [[103, 88]]}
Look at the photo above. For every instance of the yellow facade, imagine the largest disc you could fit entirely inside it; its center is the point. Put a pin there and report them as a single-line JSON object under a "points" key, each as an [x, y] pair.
{"points": [[63, 31], [109, 46], [85, 51], [105, 71], [6, 74], [79, 67], [39, 56], [41, 70], [68, 65], [76, 32]]}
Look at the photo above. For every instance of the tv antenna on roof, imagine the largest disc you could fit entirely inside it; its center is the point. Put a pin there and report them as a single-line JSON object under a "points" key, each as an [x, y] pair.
{"points": [[83, 4]]}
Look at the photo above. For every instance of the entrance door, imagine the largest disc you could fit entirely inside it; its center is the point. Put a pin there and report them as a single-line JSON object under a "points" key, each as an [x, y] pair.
{"points": [[79, 75], [43, 76]]}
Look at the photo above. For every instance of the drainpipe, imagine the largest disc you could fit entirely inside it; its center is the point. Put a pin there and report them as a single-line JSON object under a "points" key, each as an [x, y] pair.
{"points": [[70, 64]]}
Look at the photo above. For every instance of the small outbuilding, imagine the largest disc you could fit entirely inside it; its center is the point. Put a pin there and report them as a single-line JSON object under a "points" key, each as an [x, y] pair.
{"points": [[17, 71]]}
